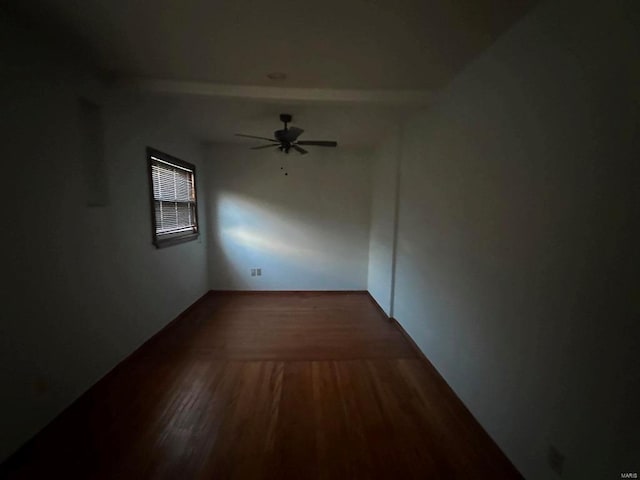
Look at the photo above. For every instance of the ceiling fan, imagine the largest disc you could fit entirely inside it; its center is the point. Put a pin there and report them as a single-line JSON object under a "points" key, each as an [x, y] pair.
{"points": [[287, 138]]}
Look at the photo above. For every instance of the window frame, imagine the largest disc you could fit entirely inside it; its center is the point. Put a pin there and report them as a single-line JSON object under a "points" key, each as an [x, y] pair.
{"points": [[173, 239]]}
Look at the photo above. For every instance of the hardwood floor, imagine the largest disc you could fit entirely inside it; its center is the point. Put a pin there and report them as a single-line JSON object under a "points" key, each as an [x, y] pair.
{"points": [[268, 386]]}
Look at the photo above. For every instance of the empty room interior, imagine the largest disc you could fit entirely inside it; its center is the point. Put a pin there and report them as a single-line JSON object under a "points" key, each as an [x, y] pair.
{"points": [[349, 239]]}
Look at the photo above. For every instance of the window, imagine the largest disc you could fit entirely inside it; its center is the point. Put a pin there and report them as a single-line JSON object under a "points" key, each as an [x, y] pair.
{"points": [[174, 212]]}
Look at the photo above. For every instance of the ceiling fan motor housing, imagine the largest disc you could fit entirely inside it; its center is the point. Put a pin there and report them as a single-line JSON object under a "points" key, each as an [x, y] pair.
{"points": [[287, 138]]}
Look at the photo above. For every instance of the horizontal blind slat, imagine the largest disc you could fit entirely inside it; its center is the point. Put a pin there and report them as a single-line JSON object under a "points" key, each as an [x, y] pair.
{"points": [[174, 199]]}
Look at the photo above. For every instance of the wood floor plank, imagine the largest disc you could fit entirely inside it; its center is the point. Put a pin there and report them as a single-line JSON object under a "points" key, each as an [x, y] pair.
{"points": [[292, 385], [294, 455], [292, 326]]}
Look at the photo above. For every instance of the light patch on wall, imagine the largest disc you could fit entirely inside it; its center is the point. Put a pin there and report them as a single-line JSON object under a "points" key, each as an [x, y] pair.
{"points": [[305, 231], [266, 244], [253, 232], [250, 228]]}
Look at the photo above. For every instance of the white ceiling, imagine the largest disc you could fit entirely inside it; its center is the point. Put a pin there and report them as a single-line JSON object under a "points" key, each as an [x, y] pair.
{"points": [[370, 46], [391, 44]]}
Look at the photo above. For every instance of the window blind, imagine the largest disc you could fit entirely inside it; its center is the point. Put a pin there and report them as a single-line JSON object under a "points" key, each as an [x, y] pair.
{"points": [[174, 199]]}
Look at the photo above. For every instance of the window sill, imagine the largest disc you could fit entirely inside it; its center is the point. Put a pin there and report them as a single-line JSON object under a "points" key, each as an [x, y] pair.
{"points": [[175, 240]]}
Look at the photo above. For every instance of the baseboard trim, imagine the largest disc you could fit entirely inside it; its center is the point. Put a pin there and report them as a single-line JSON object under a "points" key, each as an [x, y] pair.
{"points": [[275, 292], [22, 449], [375, 302], [445, 386], [415, 347], [169, 325]]}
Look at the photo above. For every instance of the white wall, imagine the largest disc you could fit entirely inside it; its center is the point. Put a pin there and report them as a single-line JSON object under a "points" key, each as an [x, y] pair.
{"points": [[307, 231], [384, 179], [517, 256], [82, 287]]}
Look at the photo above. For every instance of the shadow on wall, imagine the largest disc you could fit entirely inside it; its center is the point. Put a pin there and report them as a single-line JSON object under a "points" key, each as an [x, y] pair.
{"points": [[296, 246]]}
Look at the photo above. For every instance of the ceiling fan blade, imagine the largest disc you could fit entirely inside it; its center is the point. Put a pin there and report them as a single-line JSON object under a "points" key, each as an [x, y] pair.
{"points": [[265, 146], [318, 143], [293, 133], [258, 138], [299, 150]]}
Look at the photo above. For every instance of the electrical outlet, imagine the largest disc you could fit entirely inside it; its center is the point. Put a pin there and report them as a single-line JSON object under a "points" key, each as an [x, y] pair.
{"points": [[253, 272], [555, 460], [259, 272]]}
